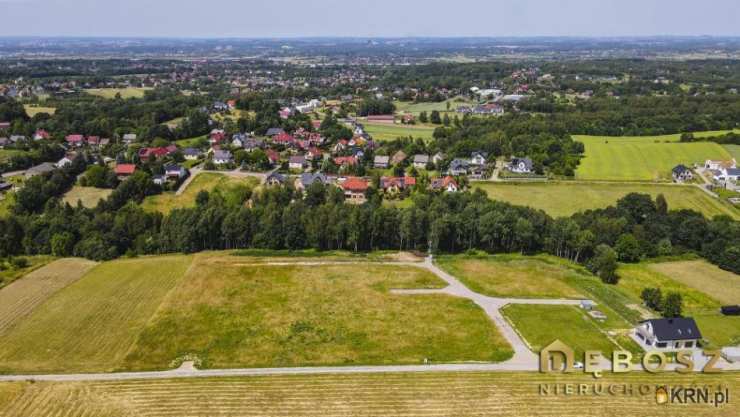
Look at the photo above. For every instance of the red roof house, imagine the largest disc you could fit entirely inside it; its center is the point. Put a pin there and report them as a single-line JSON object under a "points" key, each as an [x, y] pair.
{"points": [[124, 170]]}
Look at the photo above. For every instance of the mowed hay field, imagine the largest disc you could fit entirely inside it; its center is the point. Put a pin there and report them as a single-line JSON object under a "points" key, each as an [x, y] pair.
{"points": [[32, 110], [88, 196], [232, 313], [510, 276], [734, 150], [21, 297], [385, 132], [641, 158], [109, 93], [208, 181], [566, 198], [396, 394], [705, 277], [91, 324]]}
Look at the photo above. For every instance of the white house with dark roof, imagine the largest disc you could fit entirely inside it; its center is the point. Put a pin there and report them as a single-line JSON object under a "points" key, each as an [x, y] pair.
{"points": [[668, 334]]}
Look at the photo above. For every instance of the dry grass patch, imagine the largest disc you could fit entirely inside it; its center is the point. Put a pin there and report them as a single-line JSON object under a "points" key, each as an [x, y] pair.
{"points": [[231, 315], [20, 298], [92, 323], [395, 394], [705, 277], [511, 276]]}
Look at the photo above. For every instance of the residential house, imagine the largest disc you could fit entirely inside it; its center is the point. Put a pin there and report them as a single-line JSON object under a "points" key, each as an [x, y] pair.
{"points": [[39, 169], [41, 134], [94, 141], [273, 156], [75, 140], [520, 165], [129, 138], [297, 162], [251, 144], [66, 160], [238, 140], [354, 189], [159, 152], [220, 106], [4, 125], [381, 161], [438, 158], [308, 179], [175, 171], [681, 173], [274, 131], [216, 136], [420, 161], [159, 179], [192, 154], [4, 142], [396, 184], [458, 167], [17, 138], [446, 184], [345, 160], [398, 157], [124, 170], [732, 174], [720, 165], [275, 178], [284, 139], [489, 109], [221, 157], [669, 334], [478, 158]]}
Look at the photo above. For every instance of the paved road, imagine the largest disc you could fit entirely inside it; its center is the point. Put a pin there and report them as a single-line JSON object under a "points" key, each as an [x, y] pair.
{"points": [[523, 359]]}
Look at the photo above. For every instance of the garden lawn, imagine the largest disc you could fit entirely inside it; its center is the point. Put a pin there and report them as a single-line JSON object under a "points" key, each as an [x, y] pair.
{"points": [[88, 196], [566, 198], [109, 93], [640, 158], [229, 312]]}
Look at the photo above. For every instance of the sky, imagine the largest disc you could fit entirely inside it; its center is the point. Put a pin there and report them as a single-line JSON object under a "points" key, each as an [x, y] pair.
{"points": [[367, 18]]}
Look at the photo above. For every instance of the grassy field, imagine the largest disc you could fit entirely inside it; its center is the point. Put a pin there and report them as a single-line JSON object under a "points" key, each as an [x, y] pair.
{"points": [[32, 110], [109, 93], [208, 181], [722, 285], [510, 276], [396, 394], [640, 158], [686, 278], [91, 324], [6, 154], [190, 142], [10, 272], [88, 196], [384, 132], [540, 325], [20, 298], [556, 198], [229, 312], [734, 150]]}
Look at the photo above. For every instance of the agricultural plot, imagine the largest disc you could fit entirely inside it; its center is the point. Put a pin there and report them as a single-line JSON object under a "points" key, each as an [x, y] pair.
{"points": [[685, 279], [88, 196], [510, 276], [229, 187], [32, 110], [397, 394], [232, 313], [109, 93], [91, 324], [20, 298], [385, 132], [640, 158], [700, 275], [566, 198], [734, 150]]}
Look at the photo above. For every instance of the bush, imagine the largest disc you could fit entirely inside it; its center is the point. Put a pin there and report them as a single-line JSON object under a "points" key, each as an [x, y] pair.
{"points": [[19, 262]]}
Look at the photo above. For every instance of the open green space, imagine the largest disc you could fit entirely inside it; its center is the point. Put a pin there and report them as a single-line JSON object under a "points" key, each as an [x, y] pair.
{"points": [[734, 150], [34, 109], [91, 324], [341, 395], [232, 189], [87, 196], [641, 158], [695, 281], [540, 325], [6, 154], [510, 276], [229, 312], [385, 132], [109, 93], [566, 198]]}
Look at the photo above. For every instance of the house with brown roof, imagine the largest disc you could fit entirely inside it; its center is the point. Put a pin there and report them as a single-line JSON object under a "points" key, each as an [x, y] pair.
{"points": [[354, 189]]}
